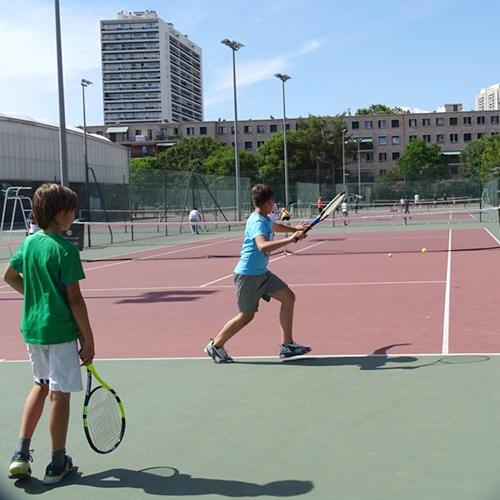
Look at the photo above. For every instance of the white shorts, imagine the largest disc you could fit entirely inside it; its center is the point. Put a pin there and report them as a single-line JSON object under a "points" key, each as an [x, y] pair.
{"points": [[57, 365]]}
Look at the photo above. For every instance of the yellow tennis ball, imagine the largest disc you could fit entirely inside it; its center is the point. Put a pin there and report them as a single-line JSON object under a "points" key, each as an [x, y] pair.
{"points": [[224, 237], [424, 250], [390, 255]]}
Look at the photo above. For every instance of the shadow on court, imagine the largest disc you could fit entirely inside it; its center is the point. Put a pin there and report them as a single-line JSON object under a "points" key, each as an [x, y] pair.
{"points": [[168, 481], [160, 296]]}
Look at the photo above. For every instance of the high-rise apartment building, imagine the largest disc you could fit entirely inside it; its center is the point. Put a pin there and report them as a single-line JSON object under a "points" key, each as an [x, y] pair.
{"points": [[489, 99], [150, 71]]}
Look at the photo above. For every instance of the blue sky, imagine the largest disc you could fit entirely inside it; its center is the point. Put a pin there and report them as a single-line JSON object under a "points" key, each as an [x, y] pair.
{"points": [[418, 55]]}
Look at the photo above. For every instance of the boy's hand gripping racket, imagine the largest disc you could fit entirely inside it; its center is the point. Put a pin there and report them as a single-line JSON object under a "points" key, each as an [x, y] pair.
{"points": [[325, 212], [103, 415]]}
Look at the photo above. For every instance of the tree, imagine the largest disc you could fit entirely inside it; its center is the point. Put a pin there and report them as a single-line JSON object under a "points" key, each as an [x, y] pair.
{"points": [[380, 109], [189, 154], [222, 162], [422, 161], [481, 158]]}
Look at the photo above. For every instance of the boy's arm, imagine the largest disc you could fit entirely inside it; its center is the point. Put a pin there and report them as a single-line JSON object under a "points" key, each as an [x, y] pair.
{"points": [[79, 311], [283, 228], [265, 246], [14, 279]]}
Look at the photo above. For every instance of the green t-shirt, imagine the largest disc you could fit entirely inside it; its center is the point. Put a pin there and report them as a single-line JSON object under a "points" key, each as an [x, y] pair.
{"points": [[48, 264]]}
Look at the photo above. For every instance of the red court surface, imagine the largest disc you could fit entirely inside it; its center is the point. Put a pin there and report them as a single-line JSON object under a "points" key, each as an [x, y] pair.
{"points": [[352, 298]]}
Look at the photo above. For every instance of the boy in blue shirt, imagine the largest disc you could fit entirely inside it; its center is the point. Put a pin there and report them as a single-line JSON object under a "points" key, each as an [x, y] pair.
{"points": [[46, 270], [253, 281]]}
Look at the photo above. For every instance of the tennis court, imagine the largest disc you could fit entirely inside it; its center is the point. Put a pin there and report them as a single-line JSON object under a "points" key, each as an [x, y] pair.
{"points": [[397, 399]]}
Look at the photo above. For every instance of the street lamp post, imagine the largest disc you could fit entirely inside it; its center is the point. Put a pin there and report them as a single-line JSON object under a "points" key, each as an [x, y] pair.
{"points": [[86, 83], [234, 46], [284, 78], [343, 158], [358, 140]]}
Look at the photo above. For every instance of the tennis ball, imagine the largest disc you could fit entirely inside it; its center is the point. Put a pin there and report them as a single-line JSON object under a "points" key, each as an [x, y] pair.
{"points": [[424, 250], [390, 255], [224, 237]]}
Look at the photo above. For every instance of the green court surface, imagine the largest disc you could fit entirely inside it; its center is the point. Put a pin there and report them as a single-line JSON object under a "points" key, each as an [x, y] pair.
{"points": [[359, 428]]}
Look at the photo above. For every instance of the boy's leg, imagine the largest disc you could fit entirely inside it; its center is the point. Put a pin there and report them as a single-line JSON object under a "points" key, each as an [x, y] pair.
{"points": [[59, 419], [232, 327], [287, 299], [33, 409]]}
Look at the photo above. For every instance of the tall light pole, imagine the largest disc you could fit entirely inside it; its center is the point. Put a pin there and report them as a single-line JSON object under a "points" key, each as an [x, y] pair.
{"points": [[234, 46], [358, 140], [343, 158], [86, 83], [284, 78], [62, 114]]}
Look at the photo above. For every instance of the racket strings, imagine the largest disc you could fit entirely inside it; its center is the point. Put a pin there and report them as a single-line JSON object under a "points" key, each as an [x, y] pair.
{"points": [[104, 419]]}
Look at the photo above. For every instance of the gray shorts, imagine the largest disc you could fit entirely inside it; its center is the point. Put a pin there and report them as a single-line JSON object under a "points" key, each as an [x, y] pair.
{"points": [[250, 289]]}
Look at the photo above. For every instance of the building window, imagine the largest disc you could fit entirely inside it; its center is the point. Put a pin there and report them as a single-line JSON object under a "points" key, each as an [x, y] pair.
{"points": [[467, 120], [260, 143], [222, 130], [453, 137], [247, 129], [260, 129], [381, 124], [273, 128], [440, 138], [355, 125], [395, 139], [190, 131], [440, 122], [426, 138], [248, 145], [480, 135], [203, 130], [395, 155], [480, 120], [138, 132], [467, 137], [355, 157], [413, 138], [382, 141], [413, 122], [454, 121], [382, 172], [494, 120], [394, 123], [369, 156], [382, 156], [426, 122], [150, 134], [369, 124]]}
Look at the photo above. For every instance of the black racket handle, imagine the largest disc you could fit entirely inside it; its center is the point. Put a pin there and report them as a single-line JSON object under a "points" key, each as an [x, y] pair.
{"points": [[305, 231]]}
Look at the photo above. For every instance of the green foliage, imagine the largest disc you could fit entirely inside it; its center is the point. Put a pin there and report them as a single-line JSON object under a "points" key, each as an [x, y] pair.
{"points": [[380, 109], [189, 154], [422, 161], [222, 162], [481, 158], [149, 162]]}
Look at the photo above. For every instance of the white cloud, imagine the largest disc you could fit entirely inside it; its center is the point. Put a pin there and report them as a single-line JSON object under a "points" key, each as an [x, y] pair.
{"points": [[311, 45]]}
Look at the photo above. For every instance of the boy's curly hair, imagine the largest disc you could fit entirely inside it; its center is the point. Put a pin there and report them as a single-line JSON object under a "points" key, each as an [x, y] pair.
{"points": [[50, 199], [261, 193]]}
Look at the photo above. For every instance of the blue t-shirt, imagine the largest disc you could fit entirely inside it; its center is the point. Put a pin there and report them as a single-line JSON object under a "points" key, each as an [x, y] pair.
{"points": [[253, 262]]}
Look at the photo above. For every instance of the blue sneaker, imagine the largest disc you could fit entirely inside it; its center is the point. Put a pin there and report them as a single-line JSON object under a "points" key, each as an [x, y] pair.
{"points": [[20, 466], [293, 349], [54, 474]]}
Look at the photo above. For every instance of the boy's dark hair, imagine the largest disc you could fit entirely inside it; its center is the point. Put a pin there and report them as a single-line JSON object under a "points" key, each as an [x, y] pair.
{"points": [[261, 193], [50, 199]]}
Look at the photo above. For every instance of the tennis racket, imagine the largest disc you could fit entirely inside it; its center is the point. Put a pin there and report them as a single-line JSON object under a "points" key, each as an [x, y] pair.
{"points": [[103, 415], [325, 212]]}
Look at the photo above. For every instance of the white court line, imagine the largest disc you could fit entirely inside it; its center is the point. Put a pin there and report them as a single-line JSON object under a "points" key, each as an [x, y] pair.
{"points": [[149, 256], [446, 320], [272, 260], [496, 239]]}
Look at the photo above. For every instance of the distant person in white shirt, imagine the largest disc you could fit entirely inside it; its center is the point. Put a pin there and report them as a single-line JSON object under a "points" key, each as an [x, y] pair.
{"points": [[345, 212], [274, 213], [194, 218], [417, 200]]}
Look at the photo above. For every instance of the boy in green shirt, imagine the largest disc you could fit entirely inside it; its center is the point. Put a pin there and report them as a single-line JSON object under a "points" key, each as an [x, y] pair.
{"points": [[46, 270]]}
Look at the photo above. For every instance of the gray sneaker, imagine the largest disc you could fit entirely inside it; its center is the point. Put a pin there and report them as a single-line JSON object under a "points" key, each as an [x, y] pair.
{"points": [[293, 349], [54, 474], [218, 354]]}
